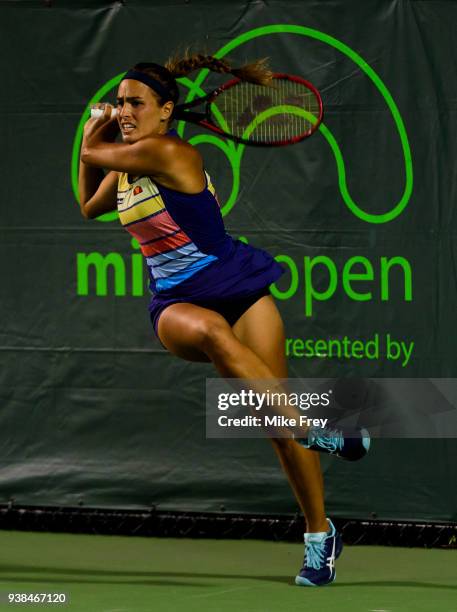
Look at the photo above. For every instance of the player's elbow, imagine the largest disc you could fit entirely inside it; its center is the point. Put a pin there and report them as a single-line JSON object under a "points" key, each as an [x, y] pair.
{"points": [[85, 155], [88, 156], [86, 213]]}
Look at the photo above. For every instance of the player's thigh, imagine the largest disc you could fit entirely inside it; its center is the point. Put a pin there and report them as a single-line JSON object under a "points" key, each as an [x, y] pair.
{"points": [[186, 330], [262, 330]]}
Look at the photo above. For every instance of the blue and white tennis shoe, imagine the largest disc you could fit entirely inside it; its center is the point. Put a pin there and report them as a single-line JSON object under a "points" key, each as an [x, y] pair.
{"points": [[351, 446], [321, 550]]}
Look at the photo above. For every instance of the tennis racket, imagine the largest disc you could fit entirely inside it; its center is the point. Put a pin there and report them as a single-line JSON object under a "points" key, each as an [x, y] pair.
{"points": [[286, 112]]}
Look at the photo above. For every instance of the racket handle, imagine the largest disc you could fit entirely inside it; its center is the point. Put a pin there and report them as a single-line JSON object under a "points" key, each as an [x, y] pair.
{"points": [[95, 113]]}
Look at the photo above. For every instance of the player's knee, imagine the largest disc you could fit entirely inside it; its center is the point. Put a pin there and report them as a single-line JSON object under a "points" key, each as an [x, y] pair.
{"points": [[213, 333]]}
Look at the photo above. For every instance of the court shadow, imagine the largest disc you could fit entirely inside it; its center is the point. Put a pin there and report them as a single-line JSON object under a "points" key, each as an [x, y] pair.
{"points": [[395, 584], [185, 579], [53, 580], [152, 578]]}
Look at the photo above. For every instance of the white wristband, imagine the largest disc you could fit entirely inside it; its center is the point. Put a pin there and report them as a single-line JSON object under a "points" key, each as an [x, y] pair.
{"points": [[95, 113]]}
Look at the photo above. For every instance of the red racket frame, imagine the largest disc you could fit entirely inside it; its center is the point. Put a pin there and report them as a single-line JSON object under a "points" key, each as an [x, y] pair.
{"points": [[204, 119]]}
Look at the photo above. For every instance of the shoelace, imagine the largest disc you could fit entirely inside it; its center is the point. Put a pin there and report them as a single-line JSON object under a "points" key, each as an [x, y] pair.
{"points": [[332, 441], [315, 554]]}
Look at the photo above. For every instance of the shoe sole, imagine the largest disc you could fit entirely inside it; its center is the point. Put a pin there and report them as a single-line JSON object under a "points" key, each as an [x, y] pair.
{"points": [[299, 581]]}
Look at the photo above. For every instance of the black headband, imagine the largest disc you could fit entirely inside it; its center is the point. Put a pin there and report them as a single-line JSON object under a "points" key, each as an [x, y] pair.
{"points": [[150, 82]]}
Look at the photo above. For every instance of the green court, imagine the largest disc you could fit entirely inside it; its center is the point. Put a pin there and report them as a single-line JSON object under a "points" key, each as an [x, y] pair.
{"points": [[128, 574]]}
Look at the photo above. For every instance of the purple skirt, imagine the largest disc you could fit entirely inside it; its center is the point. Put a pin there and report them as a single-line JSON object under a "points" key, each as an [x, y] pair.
{"points": [[228, 286]]}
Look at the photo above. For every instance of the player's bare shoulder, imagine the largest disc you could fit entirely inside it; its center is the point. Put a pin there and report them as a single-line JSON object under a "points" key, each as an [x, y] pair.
{"points": [[183, 159], [182, 165], [178, 148]]}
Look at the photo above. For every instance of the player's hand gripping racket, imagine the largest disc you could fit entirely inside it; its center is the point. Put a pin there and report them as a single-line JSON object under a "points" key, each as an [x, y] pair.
{"points": [[284, 113]]}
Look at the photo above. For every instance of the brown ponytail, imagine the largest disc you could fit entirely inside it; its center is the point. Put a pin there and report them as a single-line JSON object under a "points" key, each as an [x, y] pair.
{"points": [[255, 72]]}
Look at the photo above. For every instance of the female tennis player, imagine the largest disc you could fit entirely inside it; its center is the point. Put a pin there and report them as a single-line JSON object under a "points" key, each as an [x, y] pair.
{"points": [[211, 300]]}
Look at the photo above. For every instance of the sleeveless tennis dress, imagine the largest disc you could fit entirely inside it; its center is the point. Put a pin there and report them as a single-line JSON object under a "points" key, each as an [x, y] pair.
{"points": [[189, 255]]}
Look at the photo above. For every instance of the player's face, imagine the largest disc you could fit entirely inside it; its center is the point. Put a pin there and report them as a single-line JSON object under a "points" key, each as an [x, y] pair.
{"points": [[139, 112]]}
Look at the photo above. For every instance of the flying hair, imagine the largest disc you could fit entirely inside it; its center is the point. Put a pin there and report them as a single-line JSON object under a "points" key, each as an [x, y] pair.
{"points": [[254, 72]]}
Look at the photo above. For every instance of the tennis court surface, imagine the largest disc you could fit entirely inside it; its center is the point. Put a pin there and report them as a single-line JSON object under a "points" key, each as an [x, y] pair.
{"points": [[129, 574]]}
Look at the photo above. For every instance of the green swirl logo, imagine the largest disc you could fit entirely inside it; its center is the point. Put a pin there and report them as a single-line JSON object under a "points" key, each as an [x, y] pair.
{"points": [[234, 152]]}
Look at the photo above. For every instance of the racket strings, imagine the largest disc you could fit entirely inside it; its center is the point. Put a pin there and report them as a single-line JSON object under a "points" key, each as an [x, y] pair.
{"points": [[262, 114]]}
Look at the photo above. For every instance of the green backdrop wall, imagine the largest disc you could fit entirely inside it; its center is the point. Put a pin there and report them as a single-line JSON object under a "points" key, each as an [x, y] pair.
{"points": [[92, 409]]}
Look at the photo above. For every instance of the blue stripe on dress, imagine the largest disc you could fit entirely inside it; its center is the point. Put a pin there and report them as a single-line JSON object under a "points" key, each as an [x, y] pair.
{"points": [[173, 267], [189, 257], [171, 281]]}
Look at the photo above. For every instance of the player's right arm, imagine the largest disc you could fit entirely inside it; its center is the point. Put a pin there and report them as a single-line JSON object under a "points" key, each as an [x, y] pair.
{"points": [[97, 191]]}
